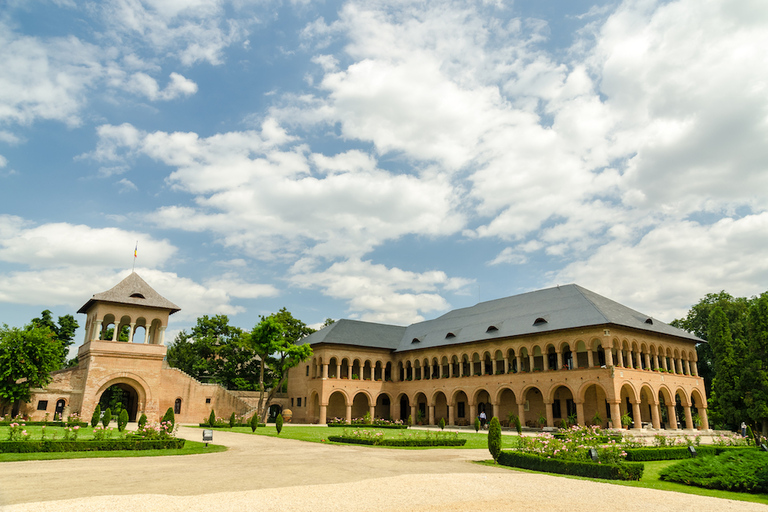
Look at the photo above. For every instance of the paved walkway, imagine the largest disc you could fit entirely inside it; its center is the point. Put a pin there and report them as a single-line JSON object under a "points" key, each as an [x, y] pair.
{"points": [[265, 474]]}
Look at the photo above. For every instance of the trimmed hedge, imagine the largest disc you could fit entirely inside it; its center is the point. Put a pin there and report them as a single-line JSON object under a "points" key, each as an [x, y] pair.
{"points": [[626, 471], [599, 439], [89, 446], [398, 442], [678, 452], [366, 425], [80, 424], [225, 424]]}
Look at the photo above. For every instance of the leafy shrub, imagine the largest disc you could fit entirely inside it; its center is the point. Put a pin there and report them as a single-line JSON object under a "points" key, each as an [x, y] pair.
{"points": [[477, 424], [142, 420], [518, 425], [410, 420], [279, 423], [212, 419], [96, 416], [426, 438], [735, 470], [624, 471], [169, 417], [494, 438], [89, 446], [107, 417], [254, 422], [441, 423], [122, 420], [677, 452], [232, 420]]}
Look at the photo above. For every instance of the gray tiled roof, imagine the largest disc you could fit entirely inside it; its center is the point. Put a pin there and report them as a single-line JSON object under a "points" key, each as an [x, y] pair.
{"points": [[132, 290], [355, 332], [563, 307]]}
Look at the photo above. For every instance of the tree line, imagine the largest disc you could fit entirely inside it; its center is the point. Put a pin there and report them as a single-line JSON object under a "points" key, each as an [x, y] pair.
{"points": [[734, 360]]}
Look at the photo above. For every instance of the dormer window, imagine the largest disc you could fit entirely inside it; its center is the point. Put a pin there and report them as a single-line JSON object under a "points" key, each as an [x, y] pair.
{"points": [[649, 321], [539, 321], [492, 328], [450, 335], [137, 295], [415, 340]]}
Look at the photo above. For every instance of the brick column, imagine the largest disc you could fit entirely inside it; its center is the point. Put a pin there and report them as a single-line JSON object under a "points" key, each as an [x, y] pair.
{"points": [[325, 371], [580, 413], [590, 359], [349, 413], [637, 415], [615, 414], [451, 420], [323, 413], [620, 357], [372, 411], [549, 413], [704, 420], [559, 359], [521, 413], [506, 366], [671, 416], [688, 418], [655, 416], [431, 415], [608, 357]]}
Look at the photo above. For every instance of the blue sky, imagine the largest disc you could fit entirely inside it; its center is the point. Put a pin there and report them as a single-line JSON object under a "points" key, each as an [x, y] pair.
{"points": [[385, 161]]}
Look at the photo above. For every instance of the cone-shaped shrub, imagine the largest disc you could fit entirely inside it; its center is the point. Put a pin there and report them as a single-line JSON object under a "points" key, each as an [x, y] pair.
{"points": [[518, 426], [122, 420], [441, 423], [279, 423], [494, 438], [254, 422], [96, 416], [212, 419], [107, 417], [169, 417], [232, 420], [477, 424], [142, 421]]}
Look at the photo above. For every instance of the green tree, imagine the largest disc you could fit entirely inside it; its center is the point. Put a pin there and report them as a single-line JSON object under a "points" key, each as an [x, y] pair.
{"points": [[169, 417], [494, 438], [726, 385], [142, 421], [106, 418], [212, 419], [122, 420], [755, 383], [27, 358], [232, 420], [279, 423], [96, 416], [275, 345], [254, 422], [64, 331]]}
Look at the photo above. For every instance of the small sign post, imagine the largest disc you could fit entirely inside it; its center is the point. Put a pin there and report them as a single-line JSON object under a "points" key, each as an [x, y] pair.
{"points": [[692, 451], [207, 437]]}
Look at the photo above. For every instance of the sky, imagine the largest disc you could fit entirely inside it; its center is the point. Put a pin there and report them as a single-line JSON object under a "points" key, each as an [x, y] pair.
{"points": [[379, 160]]}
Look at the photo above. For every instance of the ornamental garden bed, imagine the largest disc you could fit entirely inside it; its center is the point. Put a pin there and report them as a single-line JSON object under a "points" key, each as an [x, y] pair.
{"points": [[363, 425], [90, 445], [607, 471], [416, 439]]}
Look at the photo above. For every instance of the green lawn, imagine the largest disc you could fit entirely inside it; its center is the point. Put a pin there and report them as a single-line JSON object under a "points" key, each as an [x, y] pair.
{"points": [[190, 447], [320, 434]]}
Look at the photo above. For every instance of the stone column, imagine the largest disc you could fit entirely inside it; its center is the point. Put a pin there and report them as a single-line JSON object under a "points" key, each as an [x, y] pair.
{"points": [[96, 330], [647, 361], [655, 416], [637, 416], [664, 362], [530, 362], [451, 420], [694, 369], [349, 413], [655, 361], [413, 413], [590, 359], [130, 334], [687, 367], [115, 331], [519, 361], [372, 411], [147, 328], [323, 413], [549, 413], [615, 414], [325, 371], [431, 415], [398, 412], [704, 419], [559, 359], [506, 366], [639, 364], [349, 371], [495, 364], [672, 418], [688, 418], [620, 357], [161, 336], [608, 357], [580, 413], [338, 371], [521, 412]]}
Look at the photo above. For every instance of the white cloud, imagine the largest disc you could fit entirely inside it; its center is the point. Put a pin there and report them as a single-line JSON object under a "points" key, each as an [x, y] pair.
{"points": [[126, 186], [377, 293], [672, 266]]}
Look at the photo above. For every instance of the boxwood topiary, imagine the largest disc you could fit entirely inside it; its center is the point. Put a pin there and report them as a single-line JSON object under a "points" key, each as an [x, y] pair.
{"points": [[232, 420], [122, 420], [142, 420], [441, 423], [169, 417], [106, 418], [279, 423], [212, 419], [96, 416], [494, 438], [254, 422]]}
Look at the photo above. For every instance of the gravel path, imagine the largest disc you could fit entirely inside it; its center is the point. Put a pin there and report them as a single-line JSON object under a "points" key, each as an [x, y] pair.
{"points": [[265, 474]]}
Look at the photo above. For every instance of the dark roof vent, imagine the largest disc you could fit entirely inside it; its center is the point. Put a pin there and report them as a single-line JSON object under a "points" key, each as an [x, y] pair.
{"points": [[450, 335], [137, 295], [539, 321], [492, 328], [649, 321], [415, 340]]}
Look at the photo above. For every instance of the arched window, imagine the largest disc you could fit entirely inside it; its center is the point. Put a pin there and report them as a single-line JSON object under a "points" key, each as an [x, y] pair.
{"points": [[177, 406]]}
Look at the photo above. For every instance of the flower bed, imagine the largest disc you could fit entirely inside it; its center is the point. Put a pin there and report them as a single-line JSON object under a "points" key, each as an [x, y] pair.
{"points": [[366, 421], [45, 423], [347, 425], [225, 424], [425, 438], [622, 471]]}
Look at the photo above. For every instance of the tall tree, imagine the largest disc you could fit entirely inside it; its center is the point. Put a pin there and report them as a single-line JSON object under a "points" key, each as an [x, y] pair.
{"points": [[275, 344], [727, 383], [756, 378], [27, 358], [64, 331]]}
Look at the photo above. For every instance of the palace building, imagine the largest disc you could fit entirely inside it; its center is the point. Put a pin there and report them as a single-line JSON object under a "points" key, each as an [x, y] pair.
{"points": [[545, 356]]}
